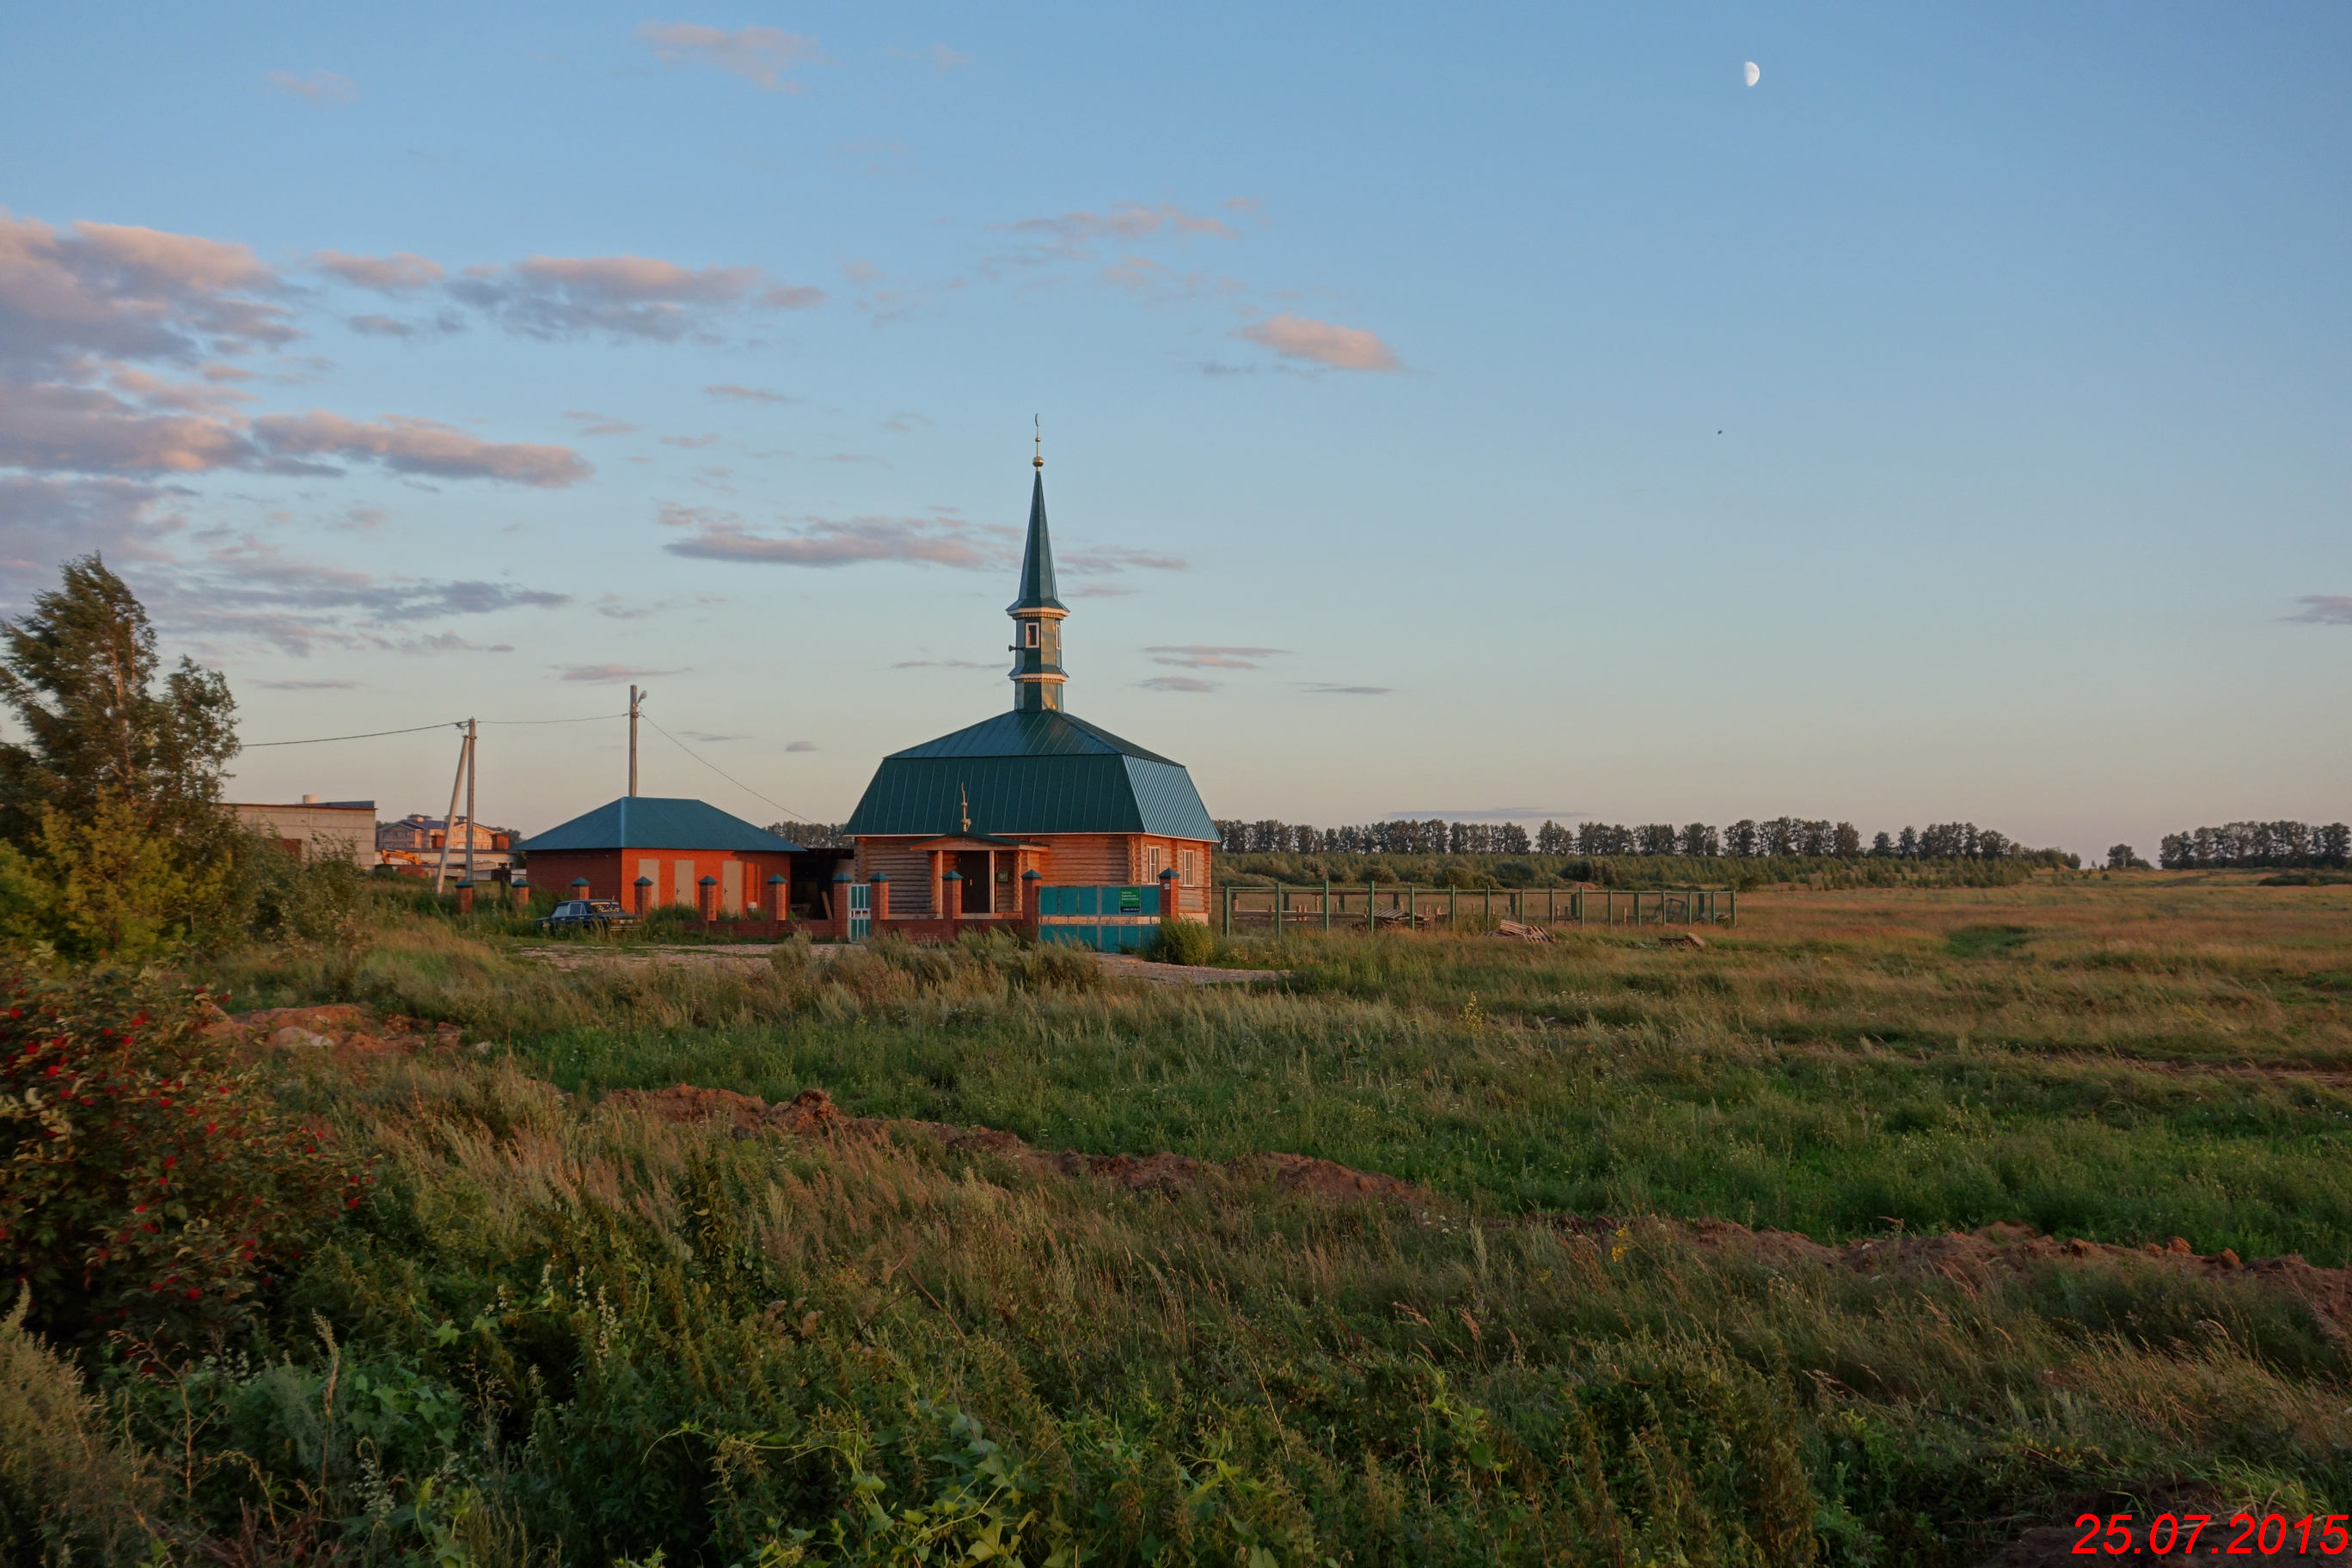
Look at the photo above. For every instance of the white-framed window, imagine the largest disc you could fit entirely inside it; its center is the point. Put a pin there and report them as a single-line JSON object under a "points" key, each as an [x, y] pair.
{"points": [[1032, 639], [1154, 857], [1188, 868]]}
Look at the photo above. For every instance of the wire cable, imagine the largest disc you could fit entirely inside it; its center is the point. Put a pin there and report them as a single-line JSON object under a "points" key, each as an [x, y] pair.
{"points": [[790, 814], [373, 734], [420, 728]]}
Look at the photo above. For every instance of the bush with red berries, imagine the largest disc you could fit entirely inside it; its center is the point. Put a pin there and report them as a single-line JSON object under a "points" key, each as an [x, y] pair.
{"points": [[150, 1181]]}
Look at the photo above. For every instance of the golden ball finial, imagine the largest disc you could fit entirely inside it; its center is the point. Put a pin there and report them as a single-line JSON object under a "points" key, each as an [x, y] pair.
{"points": [[1039, 460]]}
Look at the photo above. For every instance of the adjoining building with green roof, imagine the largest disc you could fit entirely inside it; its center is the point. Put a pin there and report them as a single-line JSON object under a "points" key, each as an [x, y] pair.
{"points": [[648, 851], [1036, 789]]}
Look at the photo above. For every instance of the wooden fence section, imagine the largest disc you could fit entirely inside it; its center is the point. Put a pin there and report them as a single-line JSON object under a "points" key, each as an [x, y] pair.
{"points": [[1405, 907]]}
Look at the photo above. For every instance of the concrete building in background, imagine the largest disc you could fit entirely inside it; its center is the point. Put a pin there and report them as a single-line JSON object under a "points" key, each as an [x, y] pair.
{"points": [[310, 827], [413, 846]]}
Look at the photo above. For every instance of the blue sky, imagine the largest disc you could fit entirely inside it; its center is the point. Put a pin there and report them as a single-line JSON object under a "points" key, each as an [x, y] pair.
{"points": [[1445, 410]]}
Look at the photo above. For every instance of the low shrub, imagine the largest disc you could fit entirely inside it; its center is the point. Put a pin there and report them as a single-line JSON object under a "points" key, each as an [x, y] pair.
{"points": [[150, 1183], [1184, 941]]}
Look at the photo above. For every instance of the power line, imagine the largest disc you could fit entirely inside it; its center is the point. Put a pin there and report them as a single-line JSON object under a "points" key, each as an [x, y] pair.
{"points": [[420, 728], [373, 734], [788, 813]]}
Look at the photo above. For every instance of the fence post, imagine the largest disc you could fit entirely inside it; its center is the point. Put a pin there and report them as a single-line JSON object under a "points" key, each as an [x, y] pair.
{"points": [[1454, 909], [1228, 891], [1408, 906], [1326, 906]]}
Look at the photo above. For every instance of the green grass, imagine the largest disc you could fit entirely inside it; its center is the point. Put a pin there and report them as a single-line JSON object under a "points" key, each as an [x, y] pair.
{"points": [[596, 1335]]}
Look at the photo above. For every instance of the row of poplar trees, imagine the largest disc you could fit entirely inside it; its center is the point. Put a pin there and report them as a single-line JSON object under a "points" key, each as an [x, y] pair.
{"points": [[1746, 837]]}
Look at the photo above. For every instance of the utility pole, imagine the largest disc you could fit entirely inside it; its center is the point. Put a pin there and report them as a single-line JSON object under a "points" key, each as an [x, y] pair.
{"points": [[449, 822], [636, 696], [469, 800]]}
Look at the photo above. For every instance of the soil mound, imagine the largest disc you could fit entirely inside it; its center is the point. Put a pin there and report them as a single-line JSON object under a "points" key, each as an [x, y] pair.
{"points": [[1974, 1258], [348, 1029]]}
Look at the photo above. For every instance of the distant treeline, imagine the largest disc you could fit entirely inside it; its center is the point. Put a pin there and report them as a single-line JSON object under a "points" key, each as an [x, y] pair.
{"points": [[1534, 870], [2257, 843], [1777, 837], [810, 835]]}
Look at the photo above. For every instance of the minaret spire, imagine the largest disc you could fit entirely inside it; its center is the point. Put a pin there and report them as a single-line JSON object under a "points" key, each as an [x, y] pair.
{"points": [[1037, 615]]}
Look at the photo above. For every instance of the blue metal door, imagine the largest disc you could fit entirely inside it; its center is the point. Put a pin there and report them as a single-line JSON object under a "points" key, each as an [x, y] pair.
{"points": [[861, 912]]}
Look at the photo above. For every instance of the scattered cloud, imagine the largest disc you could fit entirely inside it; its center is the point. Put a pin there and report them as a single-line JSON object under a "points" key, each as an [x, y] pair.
{"points": [[401, 272], [1322, 343], [448, 323], [761, 56], [750, 393], [826, 541], [130, 293], [709, 739], [313, 87], [802, 746], [944, 663], [410, 445], [595, 424], [43, 522], [1076, 233], [1177, 683], [1104, 560], [307, 685], [939, 57], [905, 423], [1325, 688], [707, 438], [2327, 609], [627, 296], [1211, 656], [605, 674]]}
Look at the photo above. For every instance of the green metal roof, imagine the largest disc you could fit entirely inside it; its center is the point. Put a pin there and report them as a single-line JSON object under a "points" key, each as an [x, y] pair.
{"points": [[1038, 558], [1028, 774], [653, 821]]}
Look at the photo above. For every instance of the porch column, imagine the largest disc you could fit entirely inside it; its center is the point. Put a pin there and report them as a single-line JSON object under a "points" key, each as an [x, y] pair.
{"points": [[938, 875], [706, 902], [1033, 895], [952, 885], [645, 886]]}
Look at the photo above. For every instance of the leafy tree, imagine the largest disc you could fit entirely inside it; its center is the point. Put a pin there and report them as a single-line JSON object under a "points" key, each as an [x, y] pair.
{"points": [[79, 673], [112, 838]]}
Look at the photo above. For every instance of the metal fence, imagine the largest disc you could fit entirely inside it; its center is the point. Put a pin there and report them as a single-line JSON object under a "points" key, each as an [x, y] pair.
{"points": [[1405, 907]]}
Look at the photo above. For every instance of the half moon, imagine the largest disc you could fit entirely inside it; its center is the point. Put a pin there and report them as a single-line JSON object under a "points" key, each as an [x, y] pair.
{"points": [[1754, 76]]}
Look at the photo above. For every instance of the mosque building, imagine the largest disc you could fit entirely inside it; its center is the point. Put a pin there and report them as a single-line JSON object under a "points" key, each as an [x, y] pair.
{"points": [[954, 824]]}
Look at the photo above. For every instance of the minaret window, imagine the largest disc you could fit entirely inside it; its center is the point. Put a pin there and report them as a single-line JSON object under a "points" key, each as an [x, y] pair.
{"points": [[1033, 633]]}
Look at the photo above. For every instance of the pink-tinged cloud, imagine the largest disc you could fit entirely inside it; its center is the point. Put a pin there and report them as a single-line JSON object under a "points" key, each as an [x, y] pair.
{"points": [[1208, 656], [1324, 688], [421, 446], [129, 293], [2327, 609], [1177, 683], [802, 746], [1321, 342], [827, 542], [750, 393], [761, 56], [314, 87], [605, 674], [630, 296], [595, 424], [1103, 559], [1072, 231], [52, 427], [401, 272]]}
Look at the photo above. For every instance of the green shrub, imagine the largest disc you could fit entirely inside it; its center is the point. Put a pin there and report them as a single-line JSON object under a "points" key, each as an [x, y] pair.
{"points": [[151, 1182], [1183, 941]]}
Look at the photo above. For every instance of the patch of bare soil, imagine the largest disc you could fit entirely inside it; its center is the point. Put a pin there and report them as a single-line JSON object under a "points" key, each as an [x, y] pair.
{"points": [[812, 1113], [346, 1030], [1973, 1258], [1184, 973]]}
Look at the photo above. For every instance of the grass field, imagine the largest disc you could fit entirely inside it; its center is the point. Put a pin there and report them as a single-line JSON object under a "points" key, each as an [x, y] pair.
{"points": [[590, 1333]]}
